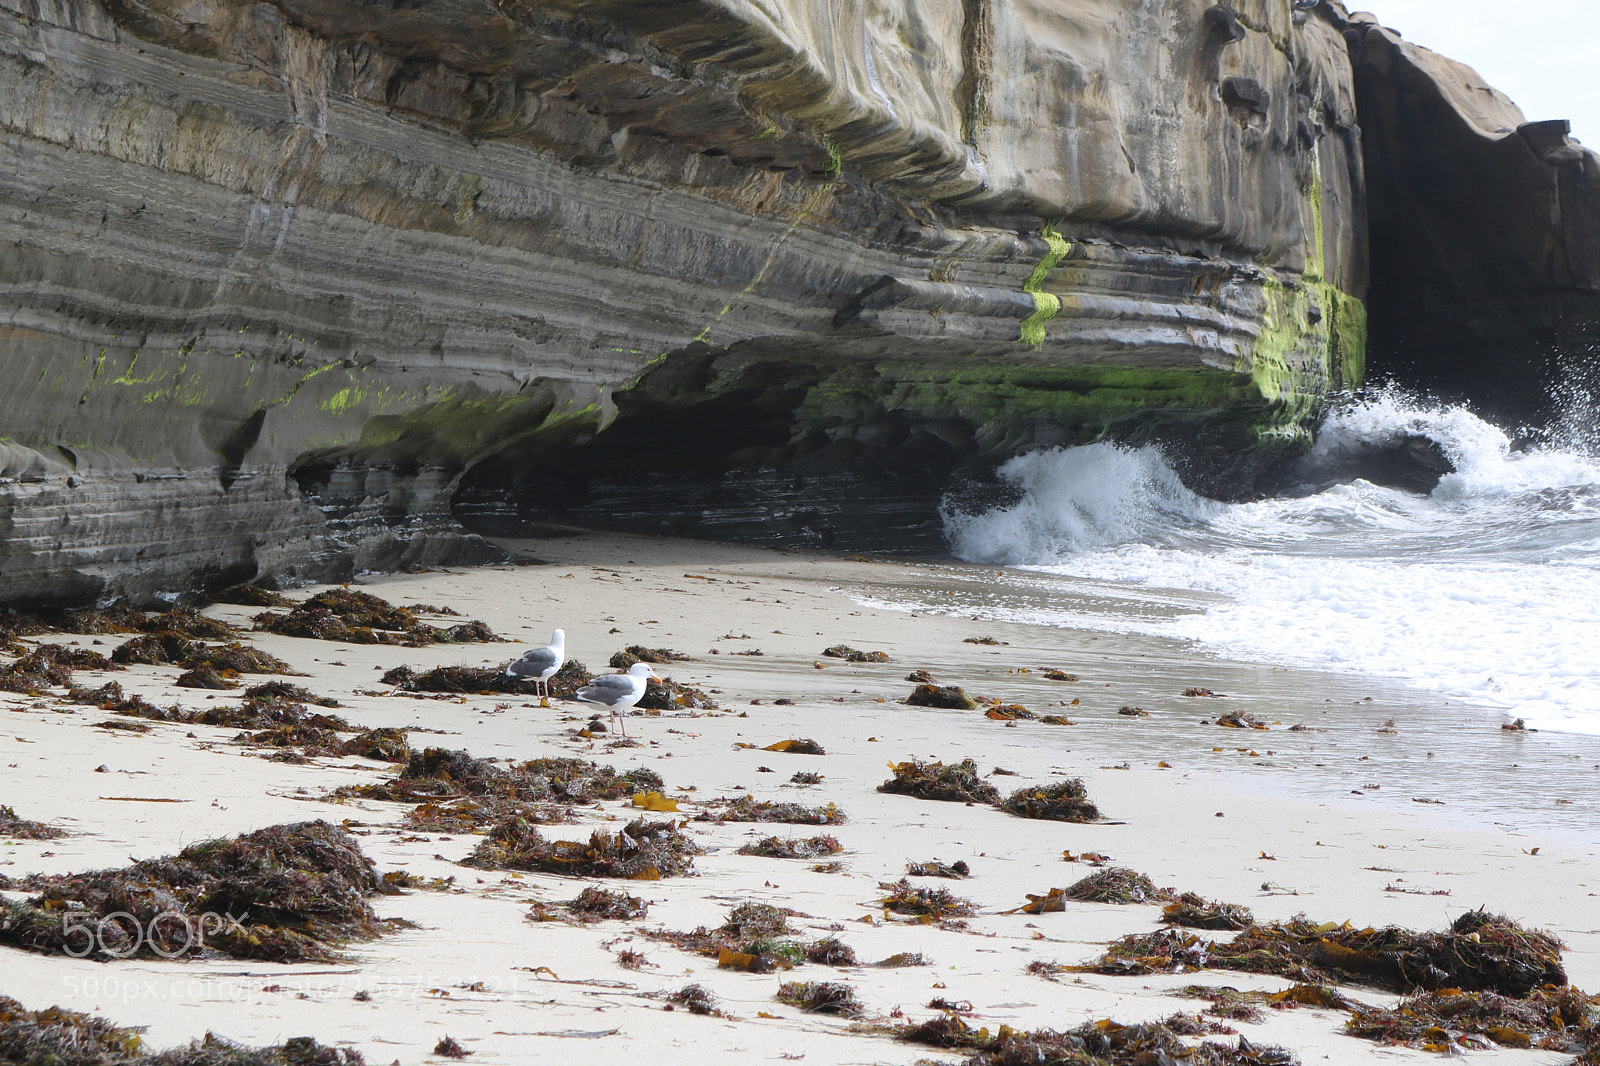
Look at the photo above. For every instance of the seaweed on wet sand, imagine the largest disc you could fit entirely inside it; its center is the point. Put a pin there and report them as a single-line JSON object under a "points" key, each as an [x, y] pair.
{"points": [[477, 814], [205, 677], [669, 695], [638, 653], [14, 828], [1051, 674], [1480, 952], [849, 654], [361, 618], [822, 997], [1118, 884], [749, 809], [935, 868], [696, 999], [450, 1048], [640, 851], [1133, 712], [1197, 912], [902, 897], [920, 677], [167, 648], [780, 848], [830, 951], [949, 697], [56, 1036], [1550, 1018], [284, 893], [1095, 1043], [990, 641], [806, 777], [384, 745], [599, 904], [953, 782], [1064, 801], [1241, 720], [435, 774], [286, 692]]}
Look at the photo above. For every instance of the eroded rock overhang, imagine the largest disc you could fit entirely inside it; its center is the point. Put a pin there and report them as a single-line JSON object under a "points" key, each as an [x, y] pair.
{"points": [[277, 275]]}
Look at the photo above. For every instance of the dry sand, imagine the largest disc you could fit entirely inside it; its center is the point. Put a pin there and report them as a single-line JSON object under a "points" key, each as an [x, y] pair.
{"points": [[1323, 822]]}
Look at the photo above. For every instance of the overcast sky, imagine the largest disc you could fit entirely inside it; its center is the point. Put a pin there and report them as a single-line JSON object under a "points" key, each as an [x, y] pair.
{"points": [[1544, 54]]}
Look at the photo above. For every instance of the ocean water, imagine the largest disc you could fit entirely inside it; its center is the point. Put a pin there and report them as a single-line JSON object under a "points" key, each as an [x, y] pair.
{"points": [[1485, 590]]}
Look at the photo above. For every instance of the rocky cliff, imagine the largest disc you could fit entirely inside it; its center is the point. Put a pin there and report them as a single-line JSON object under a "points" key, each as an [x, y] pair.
{"points": [[286, 283]]}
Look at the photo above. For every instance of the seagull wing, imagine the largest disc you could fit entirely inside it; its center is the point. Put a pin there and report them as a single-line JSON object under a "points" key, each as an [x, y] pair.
{"points": [[535, 663], [611, 690]]}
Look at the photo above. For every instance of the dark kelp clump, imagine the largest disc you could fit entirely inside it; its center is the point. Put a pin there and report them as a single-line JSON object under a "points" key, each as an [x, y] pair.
{"points": [[797, 746], [935, 868], [903, 897], [362, 618], [696, 999], [669, 695], [600, 904], [60, 1037], [641, 851], [955, 782], [1444, 1021], [438, 774], [1197, 912], [284, 893], [638, 653], [1064, 801], [385, 745], [14, 828], [948, 697], [205, 677], [173, 649], [1096, 1043], [821, 997], [251, 596], [286, 692], [1118, 884], [750, 809], [1480, 952], [781, 848], [849, 654]]}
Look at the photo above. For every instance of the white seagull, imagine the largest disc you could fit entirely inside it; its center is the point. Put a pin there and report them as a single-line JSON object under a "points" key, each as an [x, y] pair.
{"points": [[619, 691], [540, 664]]}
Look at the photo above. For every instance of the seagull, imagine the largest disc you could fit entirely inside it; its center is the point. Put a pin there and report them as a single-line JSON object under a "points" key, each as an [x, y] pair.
{"points": [[619, 691], [540, 664]]}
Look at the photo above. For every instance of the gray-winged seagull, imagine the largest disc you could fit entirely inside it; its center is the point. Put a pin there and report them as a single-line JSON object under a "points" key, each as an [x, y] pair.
{"points": [[619, 691], [540, 664]]}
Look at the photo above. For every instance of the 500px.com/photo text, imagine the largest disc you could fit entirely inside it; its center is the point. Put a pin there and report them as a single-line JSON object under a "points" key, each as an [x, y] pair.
{"points": [[120, 934]]}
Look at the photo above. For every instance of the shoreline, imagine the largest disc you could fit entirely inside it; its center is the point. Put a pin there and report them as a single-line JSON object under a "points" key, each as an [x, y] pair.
{"points": [[1313, 831]]}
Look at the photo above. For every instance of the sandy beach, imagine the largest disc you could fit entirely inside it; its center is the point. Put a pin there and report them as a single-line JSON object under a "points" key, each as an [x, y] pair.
{"points": [[1353, 818]]}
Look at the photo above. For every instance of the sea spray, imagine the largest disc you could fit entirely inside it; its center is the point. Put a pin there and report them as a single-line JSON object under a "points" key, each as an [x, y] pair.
{"points": [[1482, 590]]}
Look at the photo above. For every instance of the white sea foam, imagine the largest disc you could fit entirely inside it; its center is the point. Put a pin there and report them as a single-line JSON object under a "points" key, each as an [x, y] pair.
{"points": [[1488, 589]]}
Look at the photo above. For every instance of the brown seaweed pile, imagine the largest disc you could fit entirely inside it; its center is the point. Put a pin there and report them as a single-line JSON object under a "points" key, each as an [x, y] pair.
{"points": [[251, 596], [600, 904], [782, 848], [902, 897], [439, 774], [1096, 1043], [1118, 884], [174, 649], [821, 997], [1196, 912], [640, 851], [638, 653], [1480, 952], [362, 618], [849, 654], [284, 893], [955, 782], [935, 868], [669, 695], [1550, 1018], [797, 746], [749, 809], [60, 1037], [384, 745], [948, 697], [1064, 801], [14, 828]]}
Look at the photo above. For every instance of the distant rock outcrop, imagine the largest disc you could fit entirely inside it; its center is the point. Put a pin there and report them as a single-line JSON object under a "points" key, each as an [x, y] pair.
{"points": [[289, 286]]}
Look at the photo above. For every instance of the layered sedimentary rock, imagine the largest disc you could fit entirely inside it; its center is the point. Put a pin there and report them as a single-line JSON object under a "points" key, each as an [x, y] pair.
{"points": [[277, 276], [1485, 230]]}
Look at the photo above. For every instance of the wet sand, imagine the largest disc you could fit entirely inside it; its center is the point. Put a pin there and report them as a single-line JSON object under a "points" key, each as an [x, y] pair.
{"points": [[1325, 822]]}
